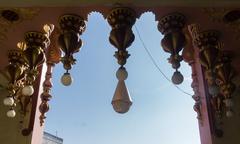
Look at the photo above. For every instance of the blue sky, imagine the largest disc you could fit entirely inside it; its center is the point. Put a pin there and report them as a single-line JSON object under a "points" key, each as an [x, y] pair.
{"points": [[83, 114]]}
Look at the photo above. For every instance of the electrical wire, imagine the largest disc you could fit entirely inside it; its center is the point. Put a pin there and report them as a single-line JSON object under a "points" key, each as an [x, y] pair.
{"points": [[155, 63]]}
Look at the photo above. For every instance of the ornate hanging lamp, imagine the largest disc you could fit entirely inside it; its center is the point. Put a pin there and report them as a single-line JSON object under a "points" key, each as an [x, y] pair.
{"points": [[218, 74], [53, 54], [23, 69], [14, 73], [171, 27], [209, 48], [121, 19], [225, 75], [71, 27], [34, 56]]}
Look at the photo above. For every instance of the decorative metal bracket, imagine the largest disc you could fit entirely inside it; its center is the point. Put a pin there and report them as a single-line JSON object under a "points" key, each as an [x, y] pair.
{"points": [[53, 55], [188, 55]]}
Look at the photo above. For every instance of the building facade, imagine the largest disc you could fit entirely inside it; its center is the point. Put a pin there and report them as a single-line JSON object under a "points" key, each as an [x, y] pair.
{"points": [[51, 139]]}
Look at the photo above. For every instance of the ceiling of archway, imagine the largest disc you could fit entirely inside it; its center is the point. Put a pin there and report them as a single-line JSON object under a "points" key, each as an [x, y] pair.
{"points": [[111, 2]]}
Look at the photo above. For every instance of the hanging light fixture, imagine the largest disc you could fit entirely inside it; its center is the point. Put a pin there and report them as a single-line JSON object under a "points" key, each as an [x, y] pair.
{"points": [[216, 65], [209, 48], [225, 75], [171, 27], [34, 56], [15, 74], [23, 69], [53, 54], [71, 26], [121, 19]]}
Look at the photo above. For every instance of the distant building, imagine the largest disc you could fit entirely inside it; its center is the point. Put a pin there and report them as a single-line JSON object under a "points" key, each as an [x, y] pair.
{"points": [[51, 139]]}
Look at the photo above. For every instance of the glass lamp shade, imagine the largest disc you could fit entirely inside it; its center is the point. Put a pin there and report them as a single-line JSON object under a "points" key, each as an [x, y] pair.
{"points": [[229, 113], [8, 101], [121, 101], [121, 106], [66, 79], [122, 74], [28, 90], [11, 113], [213, 90], [177, 78], [229, 102]]}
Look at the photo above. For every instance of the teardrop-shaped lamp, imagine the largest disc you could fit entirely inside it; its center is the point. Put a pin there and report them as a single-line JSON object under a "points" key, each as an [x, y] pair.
{"points": [[121, 100]]}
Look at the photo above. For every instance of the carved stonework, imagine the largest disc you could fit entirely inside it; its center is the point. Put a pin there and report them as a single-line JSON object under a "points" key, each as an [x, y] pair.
{"points": [[196, 96], [215, 14], [189, 57], [53, 55], [11, 17], [208, 44], [46, 96]]}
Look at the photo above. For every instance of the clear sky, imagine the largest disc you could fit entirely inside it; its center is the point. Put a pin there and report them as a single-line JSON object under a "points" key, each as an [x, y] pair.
{"points": [[160, 114]]}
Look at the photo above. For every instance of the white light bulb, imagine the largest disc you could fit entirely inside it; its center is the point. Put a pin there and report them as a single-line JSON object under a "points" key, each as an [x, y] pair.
{"points": [[229, 102], [213, 90], [66, 79], [121, 101], [229, 113], [8, 101], [28, 90], [177, 78], [121, 74], [11, 113], [46, 28], [121, 106]]}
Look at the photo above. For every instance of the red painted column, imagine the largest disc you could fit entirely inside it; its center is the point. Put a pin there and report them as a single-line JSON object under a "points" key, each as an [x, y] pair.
{"points": [[190, 55], [37, 133], [204, 123]]}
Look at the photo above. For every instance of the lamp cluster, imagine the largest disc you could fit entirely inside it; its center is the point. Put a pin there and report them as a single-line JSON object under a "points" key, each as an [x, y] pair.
{"points": [[24, 63], [218, 73], [22, 69], [71, 26]]}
